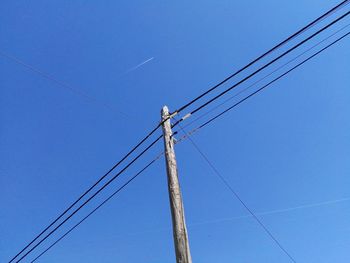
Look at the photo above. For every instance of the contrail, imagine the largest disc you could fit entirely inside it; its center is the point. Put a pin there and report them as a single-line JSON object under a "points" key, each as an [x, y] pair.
{"points": [[273, 211], [220, 220], [137, 66]]}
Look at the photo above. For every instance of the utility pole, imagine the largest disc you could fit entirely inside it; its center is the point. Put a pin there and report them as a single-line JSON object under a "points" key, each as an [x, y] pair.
{"points": [[182, 249]]}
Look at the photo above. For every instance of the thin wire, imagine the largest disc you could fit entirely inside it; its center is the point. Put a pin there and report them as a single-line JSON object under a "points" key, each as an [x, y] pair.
{"points": [[98, 207], [64, 85], [90, 198], [222, 178], [187, 136], [252, 94], [288, 39], [316, 21], [274, 80], [261, 68], [67, 86], [88, 190], [263, 78], [224, 181]]}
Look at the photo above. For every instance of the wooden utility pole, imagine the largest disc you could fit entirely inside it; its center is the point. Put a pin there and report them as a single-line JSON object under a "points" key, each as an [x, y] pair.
{"points": [[182, 249]]}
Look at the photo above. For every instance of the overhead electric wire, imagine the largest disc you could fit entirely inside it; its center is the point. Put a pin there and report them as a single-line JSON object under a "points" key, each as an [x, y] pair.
{"points": [[261, 68], [263, 78], [285, 41], [271, 82], [98, 207], [334, 9], [88, 190], [263, 87], [91, 197], [237, 196]]}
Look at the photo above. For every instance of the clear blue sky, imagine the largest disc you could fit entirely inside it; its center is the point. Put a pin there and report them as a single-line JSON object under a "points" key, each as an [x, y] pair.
{"points": [[286, 147]]}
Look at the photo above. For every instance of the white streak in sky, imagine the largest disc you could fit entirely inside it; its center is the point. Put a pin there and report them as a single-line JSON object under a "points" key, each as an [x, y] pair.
{"points": [[271, 212], [137, 66], [221, 220]]}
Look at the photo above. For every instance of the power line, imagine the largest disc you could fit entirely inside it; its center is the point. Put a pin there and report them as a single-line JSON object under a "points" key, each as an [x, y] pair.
{"points": [[90, 198], [288, 39], [98, 207], [49, 77], [266, 76], [230, 188], [271, 82], [88, 190], [285, 41], [260, 89], [188, 134], [142, 170], [261, 68], [104, 186]]}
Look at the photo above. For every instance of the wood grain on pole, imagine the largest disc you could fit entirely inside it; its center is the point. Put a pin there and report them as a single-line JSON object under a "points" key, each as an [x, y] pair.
{"points": [[182, 249]]}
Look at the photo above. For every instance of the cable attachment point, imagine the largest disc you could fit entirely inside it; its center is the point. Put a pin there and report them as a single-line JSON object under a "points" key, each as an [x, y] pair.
{"points": [[171, 115], [174, 139], [186, 116]]}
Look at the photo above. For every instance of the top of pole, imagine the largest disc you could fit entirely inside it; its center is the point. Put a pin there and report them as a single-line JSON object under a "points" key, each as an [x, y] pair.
{"points": [[165, 111], [166, 114]]}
